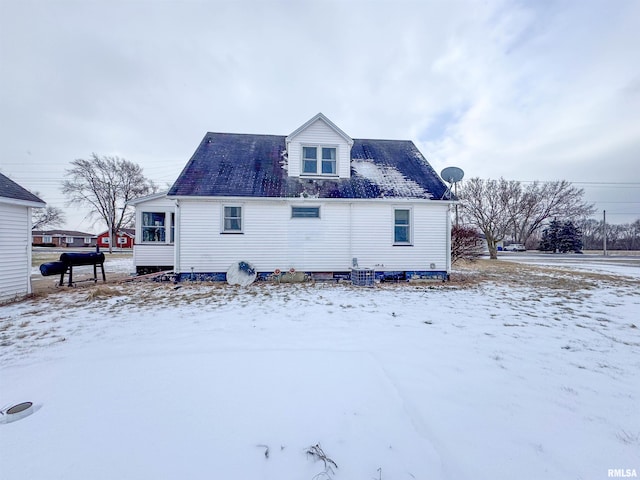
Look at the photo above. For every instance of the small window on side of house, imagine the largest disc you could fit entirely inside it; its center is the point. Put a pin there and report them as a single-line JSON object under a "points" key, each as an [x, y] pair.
{"points": [[68, 240], [232, 221], [47, 239], [402, 226], [305, 212], [87, 240]]}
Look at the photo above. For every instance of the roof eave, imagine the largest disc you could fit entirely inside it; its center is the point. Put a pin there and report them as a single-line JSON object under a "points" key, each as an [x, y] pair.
{"points": [[319, 116], [22, 203]]}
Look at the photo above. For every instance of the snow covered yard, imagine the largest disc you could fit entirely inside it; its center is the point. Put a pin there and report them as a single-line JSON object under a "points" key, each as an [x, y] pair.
{"points": [[509, 371]]}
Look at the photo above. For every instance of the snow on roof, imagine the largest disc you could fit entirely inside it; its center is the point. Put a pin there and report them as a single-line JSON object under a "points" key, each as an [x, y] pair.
{"points": [[391, 182], [227, 164]]}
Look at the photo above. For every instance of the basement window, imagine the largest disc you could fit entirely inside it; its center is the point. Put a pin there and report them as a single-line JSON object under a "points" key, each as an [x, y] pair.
{"points": [[305, 212]]}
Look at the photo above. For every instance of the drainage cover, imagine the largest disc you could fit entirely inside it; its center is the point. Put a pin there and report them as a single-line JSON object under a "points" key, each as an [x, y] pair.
{"points": [[17, 412]]}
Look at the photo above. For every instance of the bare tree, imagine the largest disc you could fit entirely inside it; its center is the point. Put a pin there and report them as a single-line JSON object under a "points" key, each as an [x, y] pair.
{"points": [[105, 185], [500, 207], [46, 217], [487, 206], [533, 205]]}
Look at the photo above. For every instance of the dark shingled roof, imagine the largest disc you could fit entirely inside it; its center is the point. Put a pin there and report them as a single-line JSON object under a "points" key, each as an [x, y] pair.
{"points": [[10, 189], [244, 165], [61, 233]]}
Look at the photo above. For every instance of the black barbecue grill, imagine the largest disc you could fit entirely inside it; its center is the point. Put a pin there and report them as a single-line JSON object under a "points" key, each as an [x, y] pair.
{"points": [[70, 260]]}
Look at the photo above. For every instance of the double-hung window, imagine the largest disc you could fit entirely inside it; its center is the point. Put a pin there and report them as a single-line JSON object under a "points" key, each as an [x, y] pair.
{"points": [[232, 222], [402, 226], [153, 227], [318, 160]]}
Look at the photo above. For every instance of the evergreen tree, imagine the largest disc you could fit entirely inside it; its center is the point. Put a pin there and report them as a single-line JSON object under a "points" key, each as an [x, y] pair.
{"points": [[550, 235], [570, 239], [561, 237]]}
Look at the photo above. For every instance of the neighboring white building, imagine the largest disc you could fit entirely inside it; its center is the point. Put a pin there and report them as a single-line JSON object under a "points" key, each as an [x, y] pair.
{"points": [[316, 201], [155, 232], [15, 239]]}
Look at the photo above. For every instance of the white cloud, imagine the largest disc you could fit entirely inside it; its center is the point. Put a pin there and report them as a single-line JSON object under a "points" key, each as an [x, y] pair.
{"points": [[522, 90]]}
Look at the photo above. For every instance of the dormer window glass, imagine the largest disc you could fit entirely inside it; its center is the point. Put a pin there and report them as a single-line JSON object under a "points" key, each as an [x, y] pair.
{"points": [[310, 160], [322, 157], [328, 161]]}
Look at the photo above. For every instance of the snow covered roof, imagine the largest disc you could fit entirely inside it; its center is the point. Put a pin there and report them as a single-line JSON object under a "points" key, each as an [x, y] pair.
{"points": [[246, 165], [11, 190]]}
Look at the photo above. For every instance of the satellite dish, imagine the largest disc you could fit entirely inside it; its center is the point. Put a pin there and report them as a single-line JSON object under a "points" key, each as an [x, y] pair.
{"points": [[241, 273], [452, 174]]}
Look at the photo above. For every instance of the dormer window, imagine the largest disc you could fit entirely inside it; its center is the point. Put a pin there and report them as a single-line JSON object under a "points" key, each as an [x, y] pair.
{"points": [[319, 160]]}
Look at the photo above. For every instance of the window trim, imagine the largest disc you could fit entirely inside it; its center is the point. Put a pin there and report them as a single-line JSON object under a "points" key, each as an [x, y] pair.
{"points": [[223, 218], [316, 207], [68, 239], [319, 160], [408, 243], [47, 239], [87, 240]]}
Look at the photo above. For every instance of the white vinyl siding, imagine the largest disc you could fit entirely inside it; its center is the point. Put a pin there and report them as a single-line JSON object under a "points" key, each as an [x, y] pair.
{"points": [[274, 240], [152, 255], [15, 251], [319, 134]]}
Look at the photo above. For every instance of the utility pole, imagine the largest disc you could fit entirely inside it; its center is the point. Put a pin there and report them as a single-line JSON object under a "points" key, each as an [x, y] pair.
{"points": [[604, 232]]}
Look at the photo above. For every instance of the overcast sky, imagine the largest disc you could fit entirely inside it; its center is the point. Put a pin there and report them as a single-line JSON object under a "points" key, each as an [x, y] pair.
{"points": [[525, 90]]}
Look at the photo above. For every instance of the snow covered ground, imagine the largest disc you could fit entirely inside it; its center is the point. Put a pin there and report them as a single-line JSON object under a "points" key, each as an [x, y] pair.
{"points": [[515, 371]]}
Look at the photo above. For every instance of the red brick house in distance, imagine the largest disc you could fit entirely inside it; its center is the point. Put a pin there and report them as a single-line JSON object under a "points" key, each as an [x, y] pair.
{"points": [[124, 238]]}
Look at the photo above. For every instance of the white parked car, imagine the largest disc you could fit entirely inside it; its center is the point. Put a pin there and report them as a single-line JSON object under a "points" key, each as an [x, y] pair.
{"points": [[515, 247]]}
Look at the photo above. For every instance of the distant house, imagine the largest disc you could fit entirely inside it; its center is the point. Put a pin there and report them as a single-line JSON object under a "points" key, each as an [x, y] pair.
{"points": [[16, 206], [62, 238], [315, 201], [124, 238], [154, 248]]}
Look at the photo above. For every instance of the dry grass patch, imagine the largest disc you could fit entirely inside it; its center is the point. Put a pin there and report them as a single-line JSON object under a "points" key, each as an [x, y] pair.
{"points": [[101, 292], [535, 276]]}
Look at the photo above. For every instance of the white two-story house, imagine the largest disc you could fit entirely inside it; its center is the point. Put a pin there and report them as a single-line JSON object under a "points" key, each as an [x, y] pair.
{"points": [[315, 201]]}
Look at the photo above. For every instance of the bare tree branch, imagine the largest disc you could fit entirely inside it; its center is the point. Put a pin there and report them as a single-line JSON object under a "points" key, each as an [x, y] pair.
{"points": [[105, 185]]}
